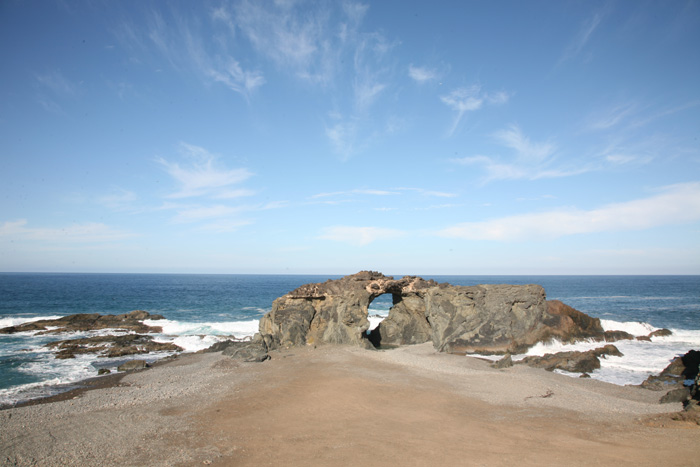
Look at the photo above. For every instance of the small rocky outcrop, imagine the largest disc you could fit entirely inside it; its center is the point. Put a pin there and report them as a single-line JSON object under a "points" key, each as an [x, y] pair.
{"points": [[575, 362], [679, 370], [111, 346], [487, 319], [89, 322]]}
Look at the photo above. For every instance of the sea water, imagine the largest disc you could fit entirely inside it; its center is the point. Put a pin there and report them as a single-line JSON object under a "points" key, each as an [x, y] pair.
{"points": [[201, 310]]}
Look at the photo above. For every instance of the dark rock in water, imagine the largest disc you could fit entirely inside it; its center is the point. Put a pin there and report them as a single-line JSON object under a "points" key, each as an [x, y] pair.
{"points": [[680, 369], [505, 362], [103, 371], [584, 375], [89, 322], [675, 395], [612, 336], [575, 362], [133, 365], [663, 332], [492, 319], [111, 346]]}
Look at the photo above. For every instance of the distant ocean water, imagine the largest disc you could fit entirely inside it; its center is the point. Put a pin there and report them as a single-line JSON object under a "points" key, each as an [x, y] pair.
{"points": [[203, 309]]}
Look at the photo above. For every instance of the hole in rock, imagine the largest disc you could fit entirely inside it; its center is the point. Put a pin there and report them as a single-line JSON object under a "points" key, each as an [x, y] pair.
{"points": [[377, 311]]}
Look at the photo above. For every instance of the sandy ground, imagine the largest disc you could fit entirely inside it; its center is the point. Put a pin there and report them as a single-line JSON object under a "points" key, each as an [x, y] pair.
{"points": [[347, 406]]}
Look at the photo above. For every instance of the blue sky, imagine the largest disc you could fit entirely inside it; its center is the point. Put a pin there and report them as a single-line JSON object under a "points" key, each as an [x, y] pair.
{"points": [[328, 137]]}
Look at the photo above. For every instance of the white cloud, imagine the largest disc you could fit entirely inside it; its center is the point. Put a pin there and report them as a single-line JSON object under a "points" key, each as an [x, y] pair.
{"points": [[468, 99], [89, 232], [421, 75], [531, 160], [359, 236], [675, 204], [525, 149], [202, 176]]}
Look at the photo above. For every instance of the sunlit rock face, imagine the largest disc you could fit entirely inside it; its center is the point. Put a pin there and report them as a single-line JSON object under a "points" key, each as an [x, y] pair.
{"points": [[483, 319]]}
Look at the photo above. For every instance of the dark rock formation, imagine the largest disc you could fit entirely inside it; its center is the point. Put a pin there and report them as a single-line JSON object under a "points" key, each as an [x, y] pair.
{"points": [[663, 332], [111, 346], [675, 395], [89, 322], [492, 319], [679, 370], [575, 362]]}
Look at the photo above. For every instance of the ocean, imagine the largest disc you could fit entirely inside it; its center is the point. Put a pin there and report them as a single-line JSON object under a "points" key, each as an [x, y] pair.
{"points": [[202, 309]]}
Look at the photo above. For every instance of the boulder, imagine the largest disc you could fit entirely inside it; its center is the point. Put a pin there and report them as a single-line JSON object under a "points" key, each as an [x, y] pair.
{"points": [[132, 365], [663, 332], [505, 362], [675, 395], [247, 351], [575, 362]]}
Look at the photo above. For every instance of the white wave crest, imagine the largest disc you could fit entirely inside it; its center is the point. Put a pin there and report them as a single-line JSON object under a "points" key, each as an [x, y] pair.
{"points": [[17, 320], [237, 329], [636, 328]]}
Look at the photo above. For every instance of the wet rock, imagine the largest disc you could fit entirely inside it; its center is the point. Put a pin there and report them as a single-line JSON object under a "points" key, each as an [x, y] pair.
{"points": [[679, 370], [89, 322], [111, 346], [663, 332], [575, 362], [103, 371]]}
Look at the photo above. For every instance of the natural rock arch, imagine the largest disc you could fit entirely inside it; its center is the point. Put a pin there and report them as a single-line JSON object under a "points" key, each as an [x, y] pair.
{"points": [[482, 318]]}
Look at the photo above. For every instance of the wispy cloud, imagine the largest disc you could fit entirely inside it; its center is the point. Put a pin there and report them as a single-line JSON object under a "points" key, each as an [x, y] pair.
{"points": [[57, 83], [203, 175], [421, 74], [612, 116], [389, 192], [582, 37], [76, 234], [530, 160], [468, 99], [675, 204], [359, 236], [191, 45]]}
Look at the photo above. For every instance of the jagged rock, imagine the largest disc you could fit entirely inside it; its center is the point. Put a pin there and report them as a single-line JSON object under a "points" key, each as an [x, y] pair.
{"points": [[613, 336], [89, 322], [575, 362], [406, 323], [132, 365], [103, 371], [334, 311], [680, 369], [111, 346], [486, 318], [505, 362]]}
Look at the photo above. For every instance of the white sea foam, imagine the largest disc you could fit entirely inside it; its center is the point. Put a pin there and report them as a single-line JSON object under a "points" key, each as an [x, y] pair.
{"points": [[17, 320], [636, 328], [237, 329], [640, 358]]}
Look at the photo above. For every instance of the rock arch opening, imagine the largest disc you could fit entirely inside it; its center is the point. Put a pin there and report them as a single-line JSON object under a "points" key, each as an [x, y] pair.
{"points": [[378, 310]]}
